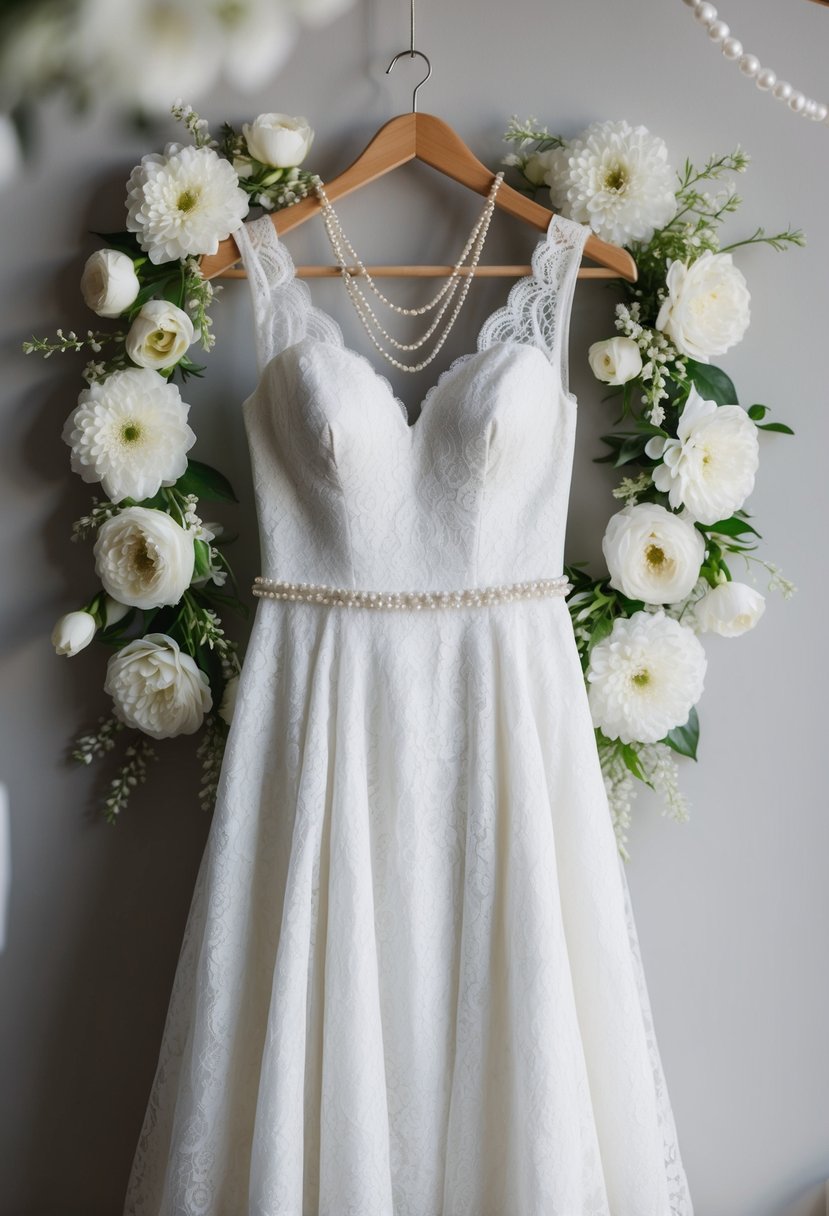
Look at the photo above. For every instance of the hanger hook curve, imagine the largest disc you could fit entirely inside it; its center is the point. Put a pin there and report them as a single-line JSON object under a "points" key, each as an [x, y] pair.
{"points": [[411, 54]]}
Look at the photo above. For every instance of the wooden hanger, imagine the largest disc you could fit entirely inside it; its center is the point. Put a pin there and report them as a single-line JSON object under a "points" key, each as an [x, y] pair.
{"points": [[429, 139]]}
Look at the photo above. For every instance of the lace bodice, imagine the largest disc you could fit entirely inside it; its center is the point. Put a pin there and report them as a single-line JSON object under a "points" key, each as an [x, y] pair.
{"points": [[473, 493]]}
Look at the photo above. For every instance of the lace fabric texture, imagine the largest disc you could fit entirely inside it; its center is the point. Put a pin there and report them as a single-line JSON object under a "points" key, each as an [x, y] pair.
{"points": [[409, 983]]}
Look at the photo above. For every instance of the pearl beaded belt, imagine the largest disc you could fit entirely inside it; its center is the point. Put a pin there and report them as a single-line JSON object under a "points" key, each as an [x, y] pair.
{"points": [[348, 597]]}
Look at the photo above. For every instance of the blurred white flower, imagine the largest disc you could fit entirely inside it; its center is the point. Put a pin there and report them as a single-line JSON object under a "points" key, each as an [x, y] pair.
{"points": [[183, 202], [258, 36], [617, 179], [278, 139], [710, 467], [144, 558], [729, 609], [159, 336], [645, 677], [130, 432], [158, 689], [109, 283], [706, 311], [228, 705], [615, 360], [73, 632], [652, 555], [10, 154]]}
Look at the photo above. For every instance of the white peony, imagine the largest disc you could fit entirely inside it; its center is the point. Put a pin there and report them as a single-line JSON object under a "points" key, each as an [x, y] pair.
{"points": [[617, 179], [144, 558], [109, 283], [615, 360], [158, 689], [710, 467], [130, 433], [183, 202], [652, 555], [73, 632], [729, 609], [278, 140], [160, 335], [645, 677], [706, 311]]}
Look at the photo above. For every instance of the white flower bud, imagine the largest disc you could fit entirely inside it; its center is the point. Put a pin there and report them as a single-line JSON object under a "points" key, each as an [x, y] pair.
{"points": [[109, 283], [73, 632], [278, 140]]}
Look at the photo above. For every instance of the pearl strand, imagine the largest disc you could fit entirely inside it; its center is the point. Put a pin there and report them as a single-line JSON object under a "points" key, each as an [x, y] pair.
{"points": [[765, 78], [469, 597]]}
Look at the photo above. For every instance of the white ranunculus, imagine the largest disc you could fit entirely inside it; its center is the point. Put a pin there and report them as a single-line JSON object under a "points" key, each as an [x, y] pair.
{"points": [[278, 140], [228, 704], [706, 311], [157, 688], [160, 335], [652, 555], [710, 467], [130, 432], [645, 677], [73, 632], [617, 179], [183, 202], [729, 609], [109, 283], [615, 360], [144, 558]]}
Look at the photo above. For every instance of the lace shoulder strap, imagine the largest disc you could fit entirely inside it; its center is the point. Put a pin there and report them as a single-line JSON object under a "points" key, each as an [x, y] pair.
{"points": [[537, 311], [282, 309]]}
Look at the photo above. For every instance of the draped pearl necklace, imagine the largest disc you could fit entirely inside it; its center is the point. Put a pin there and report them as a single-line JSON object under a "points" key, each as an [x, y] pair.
{"points": [[457, 284]]}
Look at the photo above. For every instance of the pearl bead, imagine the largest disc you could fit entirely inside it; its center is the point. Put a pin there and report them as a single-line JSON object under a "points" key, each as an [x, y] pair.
{"points": [[782, 90], [705, 13], [718, 31], [796, 102], [732, 48], [472, 597], [821, 112], [766, 79], [749, 65]]}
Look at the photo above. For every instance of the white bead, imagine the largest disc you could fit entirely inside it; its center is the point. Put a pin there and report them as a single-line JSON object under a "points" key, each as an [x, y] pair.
{"points": [[821, 111], [796, 102], [718, 31], [782, 90], [732, 48], [766, 79], [749, 65], [705, 13]]}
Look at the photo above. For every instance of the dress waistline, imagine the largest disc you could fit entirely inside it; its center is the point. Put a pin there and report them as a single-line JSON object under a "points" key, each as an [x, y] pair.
{"points": [[468, 597]]}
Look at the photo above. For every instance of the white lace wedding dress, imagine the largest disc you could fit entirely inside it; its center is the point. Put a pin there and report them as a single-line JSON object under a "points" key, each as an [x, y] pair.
{"points": [[409, 983]]}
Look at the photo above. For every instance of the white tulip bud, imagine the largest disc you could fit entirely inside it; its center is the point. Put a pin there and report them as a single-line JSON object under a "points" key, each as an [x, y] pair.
{"points": [[73, 632]]}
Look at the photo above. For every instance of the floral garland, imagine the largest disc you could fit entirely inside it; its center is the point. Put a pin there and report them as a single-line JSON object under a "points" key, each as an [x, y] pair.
{"points": [[692, 450]]}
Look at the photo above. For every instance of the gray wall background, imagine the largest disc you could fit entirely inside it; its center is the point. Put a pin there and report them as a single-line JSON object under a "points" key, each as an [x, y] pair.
{"points": [[732, 907]]}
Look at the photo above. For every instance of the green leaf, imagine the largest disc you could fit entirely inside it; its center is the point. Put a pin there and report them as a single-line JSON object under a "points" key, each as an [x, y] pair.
{"points": [[205, 482], [712, 383], [779, 427], [685, 739], [757, 412], [202, 562], [731, 527], [126, 242], [630, 758]]}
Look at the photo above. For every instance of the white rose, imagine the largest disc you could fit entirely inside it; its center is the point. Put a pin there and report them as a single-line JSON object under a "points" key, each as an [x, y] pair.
{"points": [[707, 308], [156, 688], [144, 558], [228, 705], [652, 555], [278, 140], [615, 361], [73, 632], [729, 609], [159, 336], [109, 283], [710, 467]]}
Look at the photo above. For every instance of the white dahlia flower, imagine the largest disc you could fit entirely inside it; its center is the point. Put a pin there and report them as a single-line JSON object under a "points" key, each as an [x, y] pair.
{"points": [[130, 433], [156, 688], [652, 555], [645, 677], [710, 467], [729, 609], [183, 202], [706, 311], [144, 558], [617, 179]]}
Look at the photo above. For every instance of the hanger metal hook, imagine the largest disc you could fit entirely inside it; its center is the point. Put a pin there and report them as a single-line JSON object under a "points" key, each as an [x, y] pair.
{"points": [[411, 54]]}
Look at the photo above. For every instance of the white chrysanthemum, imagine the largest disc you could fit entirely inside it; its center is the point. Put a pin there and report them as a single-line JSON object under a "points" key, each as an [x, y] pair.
{"points": [[652, 555], [130, 433], [645, 677], [183, 202], [144, 558], [710, 467], [156, 688], [617, 179]]}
